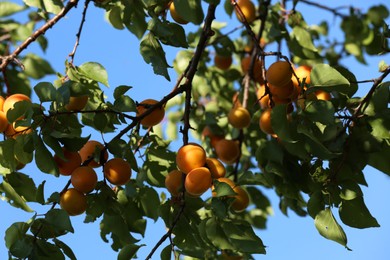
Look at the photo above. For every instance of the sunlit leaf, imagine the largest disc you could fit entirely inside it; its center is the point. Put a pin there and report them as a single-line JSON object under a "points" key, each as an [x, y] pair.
{"points": [[328, 227]]}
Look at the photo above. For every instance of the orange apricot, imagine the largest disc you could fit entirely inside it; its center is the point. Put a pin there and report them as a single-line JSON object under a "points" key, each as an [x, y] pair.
{"points": [[155, 117], [262, 98], [227, 151], [175, 16], [174, 182], [117, 171], [323, 95], [241, 199], [71, 162], [282, 92], [84, 179], [239, 117], [73, 201], [216, 168], [88, 151], [190, 156], [248, 10], [3, 121], [10, 101], [2, 99], [265, 122], [207, 133], [13, 133], [279, 73], [223, 62], [257, 68], [302, 72], [77, 103], [198, 181]]}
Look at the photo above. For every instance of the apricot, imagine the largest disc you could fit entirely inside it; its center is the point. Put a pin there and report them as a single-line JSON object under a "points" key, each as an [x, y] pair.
{"points": [[10, 101], [227, 151], [241, 199], [190, 156], [279, 73], [73, 201], [84, 179], [13, 133], [175, 16], [117, 171], [2, 99], [262, 98], [282, 92], [248, 10], [88, 151], [323, 95], [213, 137], [198, 181], [302, 72], [265, 122], [77, 103], [174, 182], [3, 121], [216, 168], [223, 62], [239, 117], [71, 162], [257, 68], [155, 117]]}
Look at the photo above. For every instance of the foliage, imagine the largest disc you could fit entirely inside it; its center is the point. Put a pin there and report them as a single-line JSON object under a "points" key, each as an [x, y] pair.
{"points": [[318, 151]]}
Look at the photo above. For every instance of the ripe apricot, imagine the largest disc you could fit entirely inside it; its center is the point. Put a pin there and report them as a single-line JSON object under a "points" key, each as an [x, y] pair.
{"points": [[216, 168], [279, 73], [262, 98], [10, 101], [77, 103], [227, 151], [239, 117], [117, 171], [265, 122], [88, 151], [3, 121], [154, 117], [323, 95], [84, 179], [13, 133], [2, 99], [174, 182], [175, 16], [302, 72], [241, 199], [282, 92], [71, 162], [223, 62], [190, 156], [73, 201], [198, 181], [257, 68], [248, 10]]}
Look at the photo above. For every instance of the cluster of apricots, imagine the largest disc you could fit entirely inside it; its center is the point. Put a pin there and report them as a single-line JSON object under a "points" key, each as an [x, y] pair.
{"points": [[284, 88], [79, 165], [196, 172]]}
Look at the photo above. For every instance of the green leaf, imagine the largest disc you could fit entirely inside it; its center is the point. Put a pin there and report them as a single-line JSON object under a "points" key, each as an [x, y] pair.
{"points": [[65, 248], [134, 17], [125, 104], [94, 71], [36, 67], [7, 155], [15, 232], [121, 90], [315, 204], [190, 9], [23, 185], [59, 219], [379, 100], [128, 252], [222, 189], [44, 158], [320, 111], [9, 8], [350, 190], [168, 33], [46, 251], [45, 91], [380, 160], [354, 213], [323, 75], [216, 235], [23, 247], [13, 197], [377, 14], [114, 17], [21, 108], [153, 53], [51, 6], [280, 123], [150, 202], [100, 121], [304, 38], [328, 227]]}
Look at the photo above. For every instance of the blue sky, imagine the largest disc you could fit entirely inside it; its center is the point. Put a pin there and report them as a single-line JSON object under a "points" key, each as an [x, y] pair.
{"points": [[286, 237]]}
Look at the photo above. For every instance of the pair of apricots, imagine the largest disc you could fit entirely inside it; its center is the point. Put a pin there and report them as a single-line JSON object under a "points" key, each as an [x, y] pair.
{"points": [[197, 172], [79, 165]]}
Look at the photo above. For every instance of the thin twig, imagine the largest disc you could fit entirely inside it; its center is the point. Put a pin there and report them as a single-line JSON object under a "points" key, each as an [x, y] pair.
{"points": [[11, 58], [332, 10], [78, 35]]}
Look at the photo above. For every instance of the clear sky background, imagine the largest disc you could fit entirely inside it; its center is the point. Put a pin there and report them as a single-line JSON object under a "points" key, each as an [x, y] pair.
{"points": [[290, 237]]}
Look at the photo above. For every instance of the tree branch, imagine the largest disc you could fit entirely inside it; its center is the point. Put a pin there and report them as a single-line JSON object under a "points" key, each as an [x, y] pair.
{"points": [[332, 10]]}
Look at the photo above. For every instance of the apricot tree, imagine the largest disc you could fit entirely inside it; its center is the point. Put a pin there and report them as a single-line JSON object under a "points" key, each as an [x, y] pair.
{"points": [[265, 104]]}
